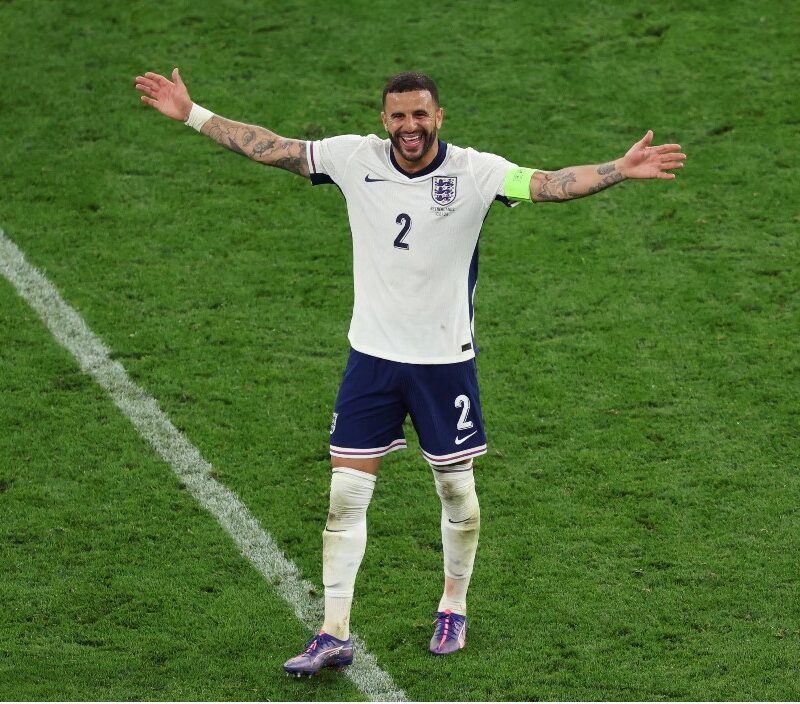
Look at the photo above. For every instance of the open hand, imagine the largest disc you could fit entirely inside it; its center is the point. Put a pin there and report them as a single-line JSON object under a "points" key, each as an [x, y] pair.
{"points": [[168, 97], [644, 161]]}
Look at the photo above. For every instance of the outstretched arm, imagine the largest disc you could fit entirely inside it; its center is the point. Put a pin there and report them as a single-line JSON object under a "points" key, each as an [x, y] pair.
{"points": [[641, 161], [171, 98], [259, 144]]}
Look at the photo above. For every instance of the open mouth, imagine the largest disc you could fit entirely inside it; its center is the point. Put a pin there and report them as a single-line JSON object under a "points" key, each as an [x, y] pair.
{"points": [[411, 142]]}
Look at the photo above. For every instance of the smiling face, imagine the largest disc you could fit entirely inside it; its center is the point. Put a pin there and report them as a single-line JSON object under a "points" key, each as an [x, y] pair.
{"points": [[412, 120]]}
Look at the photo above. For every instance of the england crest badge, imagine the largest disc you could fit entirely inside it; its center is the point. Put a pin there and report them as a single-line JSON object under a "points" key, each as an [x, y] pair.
{"points": [[443, 189]]}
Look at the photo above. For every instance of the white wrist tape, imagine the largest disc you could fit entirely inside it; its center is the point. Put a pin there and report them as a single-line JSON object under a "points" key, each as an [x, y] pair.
{"points": [[198, 117]]}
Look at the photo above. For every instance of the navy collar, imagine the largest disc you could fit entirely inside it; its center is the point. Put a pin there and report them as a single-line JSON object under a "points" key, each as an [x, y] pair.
{"points": [[429, 169]]}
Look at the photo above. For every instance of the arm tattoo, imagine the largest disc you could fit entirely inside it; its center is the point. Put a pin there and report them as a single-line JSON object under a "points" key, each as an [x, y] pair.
{"points": [[576, 182], [610, 180], [556, 186], [259, 144], [262, 147]]}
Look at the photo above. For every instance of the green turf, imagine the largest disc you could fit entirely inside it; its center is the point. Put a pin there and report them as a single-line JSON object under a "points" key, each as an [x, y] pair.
{"points": [[639, 363]]}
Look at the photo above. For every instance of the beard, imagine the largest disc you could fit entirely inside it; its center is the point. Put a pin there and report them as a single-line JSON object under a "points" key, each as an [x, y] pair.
{"points": [[428, 140]]}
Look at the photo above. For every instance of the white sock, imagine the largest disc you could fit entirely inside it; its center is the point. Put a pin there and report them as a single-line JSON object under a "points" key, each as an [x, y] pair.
{"points": [[343, 543], [461, 522]]}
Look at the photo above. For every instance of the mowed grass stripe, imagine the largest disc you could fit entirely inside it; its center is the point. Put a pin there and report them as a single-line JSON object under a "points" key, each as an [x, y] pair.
{"points": [[70, 330]]}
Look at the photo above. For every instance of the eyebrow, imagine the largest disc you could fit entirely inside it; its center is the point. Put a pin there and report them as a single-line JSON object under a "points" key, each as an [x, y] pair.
{"points": [[419, 111]]}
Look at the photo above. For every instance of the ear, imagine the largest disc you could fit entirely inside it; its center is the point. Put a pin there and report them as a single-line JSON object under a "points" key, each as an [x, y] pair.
{"points": [[383, 120], [439, 118]]}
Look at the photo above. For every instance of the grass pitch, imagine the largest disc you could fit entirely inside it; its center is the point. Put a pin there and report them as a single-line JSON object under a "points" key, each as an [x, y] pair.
{"points": [[639, 360]]}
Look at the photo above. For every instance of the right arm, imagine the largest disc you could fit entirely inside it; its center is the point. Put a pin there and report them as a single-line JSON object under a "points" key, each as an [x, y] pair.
{"points": [[171, 98], [259, 144]]}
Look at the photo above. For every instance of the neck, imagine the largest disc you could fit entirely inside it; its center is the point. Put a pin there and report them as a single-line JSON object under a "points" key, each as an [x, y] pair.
{"points": [[413, 166]]}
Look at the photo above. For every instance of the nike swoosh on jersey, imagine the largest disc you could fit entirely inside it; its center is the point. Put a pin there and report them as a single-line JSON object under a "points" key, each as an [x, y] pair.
{"points": [[373, 180], [465, 438], [452, 521]]}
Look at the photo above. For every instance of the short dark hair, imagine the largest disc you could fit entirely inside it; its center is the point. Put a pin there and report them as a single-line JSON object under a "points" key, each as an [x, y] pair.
{"points": [[408, 81]]}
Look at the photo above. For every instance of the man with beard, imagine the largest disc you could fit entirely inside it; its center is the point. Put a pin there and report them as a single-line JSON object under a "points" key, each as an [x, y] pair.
{"points": [[416, 206]]}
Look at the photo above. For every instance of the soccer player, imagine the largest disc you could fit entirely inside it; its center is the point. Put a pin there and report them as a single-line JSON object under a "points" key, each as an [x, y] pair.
{"points": [[416, 205]]}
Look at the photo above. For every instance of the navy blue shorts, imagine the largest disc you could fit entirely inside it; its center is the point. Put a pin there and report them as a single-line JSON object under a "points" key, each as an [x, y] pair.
{"points": [[376, 395]]}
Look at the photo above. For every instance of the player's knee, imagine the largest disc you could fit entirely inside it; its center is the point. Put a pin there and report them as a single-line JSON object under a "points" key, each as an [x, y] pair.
{"points": [[351, 492], [455, 485]]}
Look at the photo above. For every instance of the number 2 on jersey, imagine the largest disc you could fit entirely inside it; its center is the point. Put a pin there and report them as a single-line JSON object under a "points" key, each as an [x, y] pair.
{"points": [[404, 220]]}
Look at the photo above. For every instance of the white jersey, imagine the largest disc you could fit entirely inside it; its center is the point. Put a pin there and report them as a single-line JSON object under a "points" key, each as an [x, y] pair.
{"points": [[415, 244]]}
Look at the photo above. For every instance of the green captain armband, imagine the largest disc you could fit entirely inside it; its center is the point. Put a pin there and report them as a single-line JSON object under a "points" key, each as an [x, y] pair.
{"points": [[517, 184]]}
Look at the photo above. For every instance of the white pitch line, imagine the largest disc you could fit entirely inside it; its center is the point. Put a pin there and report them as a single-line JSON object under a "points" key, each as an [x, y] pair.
{"points": [[256, 544]]}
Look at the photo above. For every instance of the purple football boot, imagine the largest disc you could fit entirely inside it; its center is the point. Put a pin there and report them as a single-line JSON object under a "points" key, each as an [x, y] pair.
{"points": [[321, 651], [450, 634]]}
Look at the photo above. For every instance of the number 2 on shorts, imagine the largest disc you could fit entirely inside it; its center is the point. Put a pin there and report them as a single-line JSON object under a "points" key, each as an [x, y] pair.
{"points": [[462, 402]]}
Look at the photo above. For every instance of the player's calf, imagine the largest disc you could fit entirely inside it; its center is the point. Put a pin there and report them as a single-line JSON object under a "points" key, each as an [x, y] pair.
{"points": [[461, 520]]}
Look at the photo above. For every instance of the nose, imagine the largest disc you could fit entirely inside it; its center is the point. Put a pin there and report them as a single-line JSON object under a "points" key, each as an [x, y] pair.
{"points": [[409, 124]]}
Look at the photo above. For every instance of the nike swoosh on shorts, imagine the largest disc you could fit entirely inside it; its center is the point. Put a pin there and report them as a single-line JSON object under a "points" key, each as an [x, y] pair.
{"points": [[459, 440]]}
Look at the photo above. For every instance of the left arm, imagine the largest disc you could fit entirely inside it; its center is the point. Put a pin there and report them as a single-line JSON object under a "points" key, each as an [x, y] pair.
{"points": [[641, 161]]}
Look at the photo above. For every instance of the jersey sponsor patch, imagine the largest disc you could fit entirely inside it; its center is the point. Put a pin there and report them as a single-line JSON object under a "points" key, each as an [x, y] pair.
{"points": [[443, 189]]}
